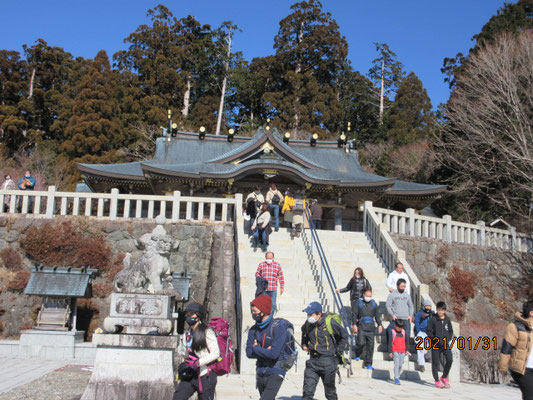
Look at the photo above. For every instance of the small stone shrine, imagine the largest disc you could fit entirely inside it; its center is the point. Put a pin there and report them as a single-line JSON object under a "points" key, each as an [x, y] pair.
{"points": [[135, 357], [55, 334]]}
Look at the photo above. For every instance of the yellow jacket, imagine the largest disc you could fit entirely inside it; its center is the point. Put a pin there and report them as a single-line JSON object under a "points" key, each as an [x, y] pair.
{"points": [[288, 204]]}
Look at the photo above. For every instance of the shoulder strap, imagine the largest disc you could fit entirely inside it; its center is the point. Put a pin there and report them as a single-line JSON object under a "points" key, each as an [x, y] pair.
{"points": [[393, 334]]}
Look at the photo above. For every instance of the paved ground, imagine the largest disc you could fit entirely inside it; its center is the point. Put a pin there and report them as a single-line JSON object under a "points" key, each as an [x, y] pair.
{"points": [[32, 379]]}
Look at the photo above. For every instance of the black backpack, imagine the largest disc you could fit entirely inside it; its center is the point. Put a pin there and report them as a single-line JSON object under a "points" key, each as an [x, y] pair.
{"points": [[276, 199]]}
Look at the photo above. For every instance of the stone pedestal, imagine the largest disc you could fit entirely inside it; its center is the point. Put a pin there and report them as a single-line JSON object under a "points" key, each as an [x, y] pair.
{"points": [[132, 367], [49, 345], [135, 313]]}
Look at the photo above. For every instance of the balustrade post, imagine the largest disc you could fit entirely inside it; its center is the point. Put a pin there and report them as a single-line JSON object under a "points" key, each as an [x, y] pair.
{"points": [[482, 233], [51, 202], [113, 206], [367, 206], [513, 245], [176, 198], [448, 227], [411, 221]]}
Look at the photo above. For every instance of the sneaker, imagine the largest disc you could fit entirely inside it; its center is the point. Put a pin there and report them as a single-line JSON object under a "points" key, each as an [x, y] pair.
{"points": [[276, 229], [439, 384], [445, 382], [357, 358], [369, 366], [396, 381], [422, 368]]}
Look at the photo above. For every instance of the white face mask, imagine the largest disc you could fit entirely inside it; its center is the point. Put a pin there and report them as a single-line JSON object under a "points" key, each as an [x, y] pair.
{"points": [[268, 261], [367, 299], [311, 320], [357, 276]]}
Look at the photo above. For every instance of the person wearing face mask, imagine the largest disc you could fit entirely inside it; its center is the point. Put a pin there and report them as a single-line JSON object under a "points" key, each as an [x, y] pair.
{"points": [[325, 347], [364, 315], [265, 344], [400, 306], [261, 227], [27, 182], [7, 185], [440, 331], [202, 349], [421, 323], [356, 285], [256, 197], [272, 272]]}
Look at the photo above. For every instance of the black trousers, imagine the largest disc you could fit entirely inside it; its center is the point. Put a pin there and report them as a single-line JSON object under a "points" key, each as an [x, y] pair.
{"points": [[324, 368], [365, 346], [268, 386], [186, 389], [525, 382], [435, 359]]}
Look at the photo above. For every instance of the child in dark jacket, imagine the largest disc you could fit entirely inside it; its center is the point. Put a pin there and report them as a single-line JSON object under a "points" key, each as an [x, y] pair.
{"points": [[397, 348], [440, 331]]}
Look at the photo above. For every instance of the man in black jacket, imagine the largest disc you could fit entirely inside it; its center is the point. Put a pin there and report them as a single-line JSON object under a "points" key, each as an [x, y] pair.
{"points": [[440, 331], [325, 340], [364, 315]]}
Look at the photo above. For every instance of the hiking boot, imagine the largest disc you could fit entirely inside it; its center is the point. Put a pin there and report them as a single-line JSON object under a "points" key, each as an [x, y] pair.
{"points": [[397, 382], [276, 229], [445, 382], [439, 384]]}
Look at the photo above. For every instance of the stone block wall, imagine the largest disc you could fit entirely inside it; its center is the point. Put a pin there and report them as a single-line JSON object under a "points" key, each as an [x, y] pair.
{"points": [[205, 252]]}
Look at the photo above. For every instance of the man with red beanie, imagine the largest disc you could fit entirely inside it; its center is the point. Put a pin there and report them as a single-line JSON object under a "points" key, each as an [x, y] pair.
{"points": [[265, 343]]}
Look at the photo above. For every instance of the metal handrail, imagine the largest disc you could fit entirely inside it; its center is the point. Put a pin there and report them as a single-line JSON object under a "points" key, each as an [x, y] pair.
{"points": [[326, 270]]}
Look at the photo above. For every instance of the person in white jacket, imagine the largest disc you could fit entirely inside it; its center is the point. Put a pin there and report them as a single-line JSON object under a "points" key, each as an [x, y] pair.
{"points": [[8, 184], [202, 347], [395, 275]]}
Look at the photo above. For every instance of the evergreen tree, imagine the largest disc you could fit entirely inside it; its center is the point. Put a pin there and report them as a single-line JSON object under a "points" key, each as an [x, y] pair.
{"points": [[311, 54], [410, 118], [386, 73]]}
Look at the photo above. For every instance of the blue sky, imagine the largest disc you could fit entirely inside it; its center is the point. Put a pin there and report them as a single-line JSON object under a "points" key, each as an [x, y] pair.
{"points": [[421, 32]]}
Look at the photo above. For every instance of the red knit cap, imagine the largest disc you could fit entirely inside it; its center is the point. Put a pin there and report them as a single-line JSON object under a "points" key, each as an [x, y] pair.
{"points": [[264, 303]]}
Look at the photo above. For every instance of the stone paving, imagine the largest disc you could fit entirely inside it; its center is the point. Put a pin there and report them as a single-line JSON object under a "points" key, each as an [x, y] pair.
{"points": [[17, 373]]}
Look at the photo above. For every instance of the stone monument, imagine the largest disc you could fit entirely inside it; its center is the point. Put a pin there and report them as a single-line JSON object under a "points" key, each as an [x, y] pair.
{"points": [[135, 357]]}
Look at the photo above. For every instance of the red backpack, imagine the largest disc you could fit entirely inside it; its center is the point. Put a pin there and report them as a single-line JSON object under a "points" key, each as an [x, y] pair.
{"points": [[223, 365]]}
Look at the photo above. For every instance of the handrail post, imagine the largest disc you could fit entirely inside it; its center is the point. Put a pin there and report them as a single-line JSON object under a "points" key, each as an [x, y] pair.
{"points": [[113, 204], [50, 202]]}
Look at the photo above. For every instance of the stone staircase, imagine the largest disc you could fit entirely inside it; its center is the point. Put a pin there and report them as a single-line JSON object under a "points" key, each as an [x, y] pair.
{"points": [[345, 251]]}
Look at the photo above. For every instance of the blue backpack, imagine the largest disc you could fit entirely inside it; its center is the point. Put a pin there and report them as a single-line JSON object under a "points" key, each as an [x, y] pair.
{"points": [[289, 353], [373, 302]]}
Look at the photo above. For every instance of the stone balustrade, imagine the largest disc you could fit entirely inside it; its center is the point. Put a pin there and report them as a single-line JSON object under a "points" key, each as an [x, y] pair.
{"points": [[115, 205], [412, 224]]}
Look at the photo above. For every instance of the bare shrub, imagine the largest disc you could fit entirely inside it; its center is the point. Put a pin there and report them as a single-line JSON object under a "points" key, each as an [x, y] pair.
{"points": [[11, 258], [462, 289], [483, 362]]}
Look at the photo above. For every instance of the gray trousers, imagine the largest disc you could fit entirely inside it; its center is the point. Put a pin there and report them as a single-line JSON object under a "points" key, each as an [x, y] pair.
{"points": [[398, 364]]}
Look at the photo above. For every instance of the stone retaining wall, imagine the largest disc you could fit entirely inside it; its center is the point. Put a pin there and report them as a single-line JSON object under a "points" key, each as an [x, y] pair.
{"points": [[205, 252]]}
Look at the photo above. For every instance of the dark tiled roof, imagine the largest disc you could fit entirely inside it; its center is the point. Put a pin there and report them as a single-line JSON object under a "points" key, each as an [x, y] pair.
{"points": [[215, 157], [59, 281]]}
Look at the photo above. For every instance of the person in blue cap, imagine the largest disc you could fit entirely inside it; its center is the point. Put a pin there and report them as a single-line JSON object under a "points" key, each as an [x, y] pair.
{"points": [[325, 343]]}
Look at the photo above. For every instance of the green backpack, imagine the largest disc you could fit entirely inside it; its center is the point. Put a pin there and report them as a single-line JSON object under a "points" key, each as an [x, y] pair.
{"points": [[329, 318]]}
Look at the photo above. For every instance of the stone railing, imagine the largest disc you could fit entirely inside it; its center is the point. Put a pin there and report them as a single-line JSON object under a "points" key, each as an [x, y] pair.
{"points": [[411, 224], [390, 254], [114, 205]]}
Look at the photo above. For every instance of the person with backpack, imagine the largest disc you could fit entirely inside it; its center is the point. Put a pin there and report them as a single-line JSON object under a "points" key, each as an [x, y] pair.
{"points": [[397, 346], [274, 198], [364, 315], [261, 227], [269, 342], [202, 350], [440, 331], [421, 323], [294, 207], [325, 339], [400, 306], [517, 350]]}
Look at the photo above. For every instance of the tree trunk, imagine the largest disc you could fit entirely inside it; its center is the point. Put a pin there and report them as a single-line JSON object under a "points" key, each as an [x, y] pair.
{"points": [[224, 81], [382, 93], [297, 71], [252, 118], [31, 83], [186, 99]]}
